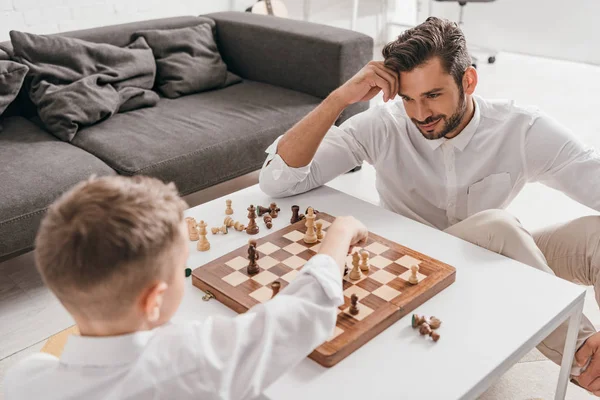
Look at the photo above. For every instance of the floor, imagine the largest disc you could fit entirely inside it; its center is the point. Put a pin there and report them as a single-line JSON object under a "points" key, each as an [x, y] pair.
{"points": [[29, 314]]}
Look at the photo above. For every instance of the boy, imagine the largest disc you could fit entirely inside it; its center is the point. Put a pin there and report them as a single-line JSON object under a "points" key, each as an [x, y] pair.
{"points": [[112, 250]]}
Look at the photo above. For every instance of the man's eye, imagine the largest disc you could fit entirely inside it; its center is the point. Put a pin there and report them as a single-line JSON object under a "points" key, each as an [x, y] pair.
{"points": [[433, 95]]}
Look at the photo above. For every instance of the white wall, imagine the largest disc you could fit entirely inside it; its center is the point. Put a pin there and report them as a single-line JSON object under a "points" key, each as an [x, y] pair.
{"points": [[562, 29]]}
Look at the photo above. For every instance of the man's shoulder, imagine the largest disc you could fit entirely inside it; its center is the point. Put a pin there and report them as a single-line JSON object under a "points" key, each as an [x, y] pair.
{"points": [[25, 373], [506, 109]]}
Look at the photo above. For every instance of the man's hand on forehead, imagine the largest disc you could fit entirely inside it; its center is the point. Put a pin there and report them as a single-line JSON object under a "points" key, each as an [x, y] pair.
{"points": [[369, 81]]}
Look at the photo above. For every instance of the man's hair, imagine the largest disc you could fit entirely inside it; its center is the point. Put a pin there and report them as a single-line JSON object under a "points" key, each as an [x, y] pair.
{"points": [[435, 37], [104, 240]]}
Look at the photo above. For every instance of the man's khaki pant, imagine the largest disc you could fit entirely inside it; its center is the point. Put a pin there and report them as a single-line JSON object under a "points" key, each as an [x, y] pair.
{"points": [[569, 250]]}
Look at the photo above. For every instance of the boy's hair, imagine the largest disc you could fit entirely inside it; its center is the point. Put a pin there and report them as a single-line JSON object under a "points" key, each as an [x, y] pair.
{"points": [[107, 238], [435, 37]]}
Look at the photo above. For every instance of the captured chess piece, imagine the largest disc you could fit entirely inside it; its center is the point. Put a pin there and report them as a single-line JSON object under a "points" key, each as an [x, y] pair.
{"points": [[252, 228], [276, 285], [424, 329], [319, 226], [274, 210], [346, 269], [228, 210], [192, 228], [355, 273], [295, 216], [434, 335], [353, 304], [223, 229], [228, 222], [252, 258], [413, 279], [364, 261], [268, 221], [239, 226], [203, 244], [260, 210], [417, 320], [310, 236]]}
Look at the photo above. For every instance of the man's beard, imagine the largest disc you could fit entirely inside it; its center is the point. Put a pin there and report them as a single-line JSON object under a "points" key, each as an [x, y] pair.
{"points": [[450, 124]]}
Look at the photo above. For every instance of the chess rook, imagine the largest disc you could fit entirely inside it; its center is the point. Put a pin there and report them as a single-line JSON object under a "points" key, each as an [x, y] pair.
{"points": [[203, 244], [228, 210], [252, 228], [319, 226], [295, 217]]}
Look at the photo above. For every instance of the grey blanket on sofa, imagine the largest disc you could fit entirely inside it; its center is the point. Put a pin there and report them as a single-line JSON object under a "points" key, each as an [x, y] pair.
{"points": [[75, 83]]}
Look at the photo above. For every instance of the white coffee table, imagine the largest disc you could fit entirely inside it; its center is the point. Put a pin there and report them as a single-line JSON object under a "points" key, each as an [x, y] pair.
{"points": [[495, 312]]}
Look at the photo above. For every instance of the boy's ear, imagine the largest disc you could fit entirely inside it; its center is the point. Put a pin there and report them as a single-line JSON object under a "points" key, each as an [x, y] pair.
{"points": [[152, 299]]}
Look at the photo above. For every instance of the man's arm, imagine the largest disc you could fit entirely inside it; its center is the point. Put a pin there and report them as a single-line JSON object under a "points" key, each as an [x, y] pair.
{"points": [[556, 158], [292, 154]]}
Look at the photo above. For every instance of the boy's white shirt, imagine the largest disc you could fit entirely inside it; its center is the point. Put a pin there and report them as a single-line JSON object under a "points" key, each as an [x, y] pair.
{"points": [[219, 358]]}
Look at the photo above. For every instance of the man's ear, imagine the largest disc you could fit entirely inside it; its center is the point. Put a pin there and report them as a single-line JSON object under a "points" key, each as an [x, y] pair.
{"points": [[152, 299], [470, 80]]}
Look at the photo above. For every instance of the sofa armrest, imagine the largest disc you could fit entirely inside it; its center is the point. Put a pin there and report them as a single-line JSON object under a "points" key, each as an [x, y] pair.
{"points": [[302, 56]]}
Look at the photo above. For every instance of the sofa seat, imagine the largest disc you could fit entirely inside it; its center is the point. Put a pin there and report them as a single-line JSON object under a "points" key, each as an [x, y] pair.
{"points": [[198, 140], [36, 169]]}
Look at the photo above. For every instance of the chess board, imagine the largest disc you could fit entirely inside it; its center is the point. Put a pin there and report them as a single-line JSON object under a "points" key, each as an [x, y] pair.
{"points": [[384, 293]]}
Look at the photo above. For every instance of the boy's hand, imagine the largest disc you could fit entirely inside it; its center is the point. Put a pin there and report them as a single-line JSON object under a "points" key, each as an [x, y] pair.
{"points": [[370, 80], [342, 236]]}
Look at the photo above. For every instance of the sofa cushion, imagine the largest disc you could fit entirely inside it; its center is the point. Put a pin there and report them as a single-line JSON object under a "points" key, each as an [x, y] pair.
{"points": [[12, 75], [187, 60], [36, 169], [198, 140]]}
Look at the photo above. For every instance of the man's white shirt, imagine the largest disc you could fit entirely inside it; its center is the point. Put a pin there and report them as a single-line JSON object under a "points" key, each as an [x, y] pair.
{"points": [[442, 182]]}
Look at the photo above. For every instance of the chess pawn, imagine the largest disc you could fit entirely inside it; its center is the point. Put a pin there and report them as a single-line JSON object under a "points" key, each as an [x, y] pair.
{"points": [[268, 221], [275, 286], [310, 236], [252, 228], [353, 304], [434, 335], [228, 222], [425, 329], [355, 273], [203, 244], [274, 210], [413, 279], [319, 226], [192, 228], [260, 210], [252, 257], [214, 230], [364, 261], [228, 210], [239, 226]]}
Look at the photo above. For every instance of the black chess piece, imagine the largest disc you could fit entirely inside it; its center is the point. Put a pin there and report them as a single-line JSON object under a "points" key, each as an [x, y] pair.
{"points": [[295, 217], [260, 210], [274, 210], [353, 304], [252, 257]]}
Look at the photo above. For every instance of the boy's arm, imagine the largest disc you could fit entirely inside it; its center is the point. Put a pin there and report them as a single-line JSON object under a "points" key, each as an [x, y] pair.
{"points": [[242, 356], [556, 158]]}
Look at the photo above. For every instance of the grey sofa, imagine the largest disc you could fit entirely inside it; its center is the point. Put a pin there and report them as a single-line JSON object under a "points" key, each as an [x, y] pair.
{"points": [[196, 141]]}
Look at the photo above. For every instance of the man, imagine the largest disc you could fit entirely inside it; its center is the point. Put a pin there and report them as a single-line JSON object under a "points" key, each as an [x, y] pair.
{"points": [[450, 159]]}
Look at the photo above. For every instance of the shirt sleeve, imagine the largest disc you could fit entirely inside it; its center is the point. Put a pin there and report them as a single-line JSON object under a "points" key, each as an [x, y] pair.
{"points": [[242, 356], [358, 139], [556, 158]]}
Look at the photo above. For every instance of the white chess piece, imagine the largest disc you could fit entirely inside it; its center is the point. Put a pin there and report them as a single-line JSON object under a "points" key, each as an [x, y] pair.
{"points": [[311, 235], [355, 273], [413, 279], [364, 261]]}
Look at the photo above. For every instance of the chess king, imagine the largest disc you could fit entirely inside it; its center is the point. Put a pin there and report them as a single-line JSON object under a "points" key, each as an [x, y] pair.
{"points": [[432, 129]]}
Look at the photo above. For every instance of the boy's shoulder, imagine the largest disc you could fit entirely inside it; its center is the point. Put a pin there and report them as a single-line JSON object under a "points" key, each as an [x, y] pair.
{"points": [[27, 373]]}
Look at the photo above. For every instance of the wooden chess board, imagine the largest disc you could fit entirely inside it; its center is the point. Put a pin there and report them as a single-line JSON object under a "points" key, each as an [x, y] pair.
{"points": [[384, 293]]}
